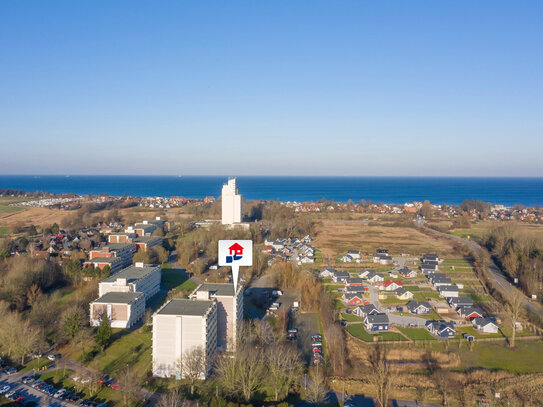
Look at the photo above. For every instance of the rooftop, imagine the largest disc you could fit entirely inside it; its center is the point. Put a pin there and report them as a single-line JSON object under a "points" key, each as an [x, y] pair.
{"points": [[221, 289], [118, 298], [186, 307], [132, 273], [110, 260]]}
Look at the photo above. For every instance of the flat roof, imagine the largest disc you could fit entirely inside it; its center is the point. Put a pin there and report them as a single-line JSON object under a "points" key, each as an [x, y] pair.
{"points": [[104, 260], [181, 306], [118, 298], [222, 289], [146, 239], [118, 246], [132, 273]]}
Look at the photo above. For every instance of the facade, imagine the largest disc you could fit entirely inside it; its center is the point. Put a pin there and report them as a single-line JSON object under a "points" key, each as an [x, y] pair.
{"points": [[229, 310], [124, 251], [180, 326], [137, 278], [115, 263], [231, 203], [122, 309]]}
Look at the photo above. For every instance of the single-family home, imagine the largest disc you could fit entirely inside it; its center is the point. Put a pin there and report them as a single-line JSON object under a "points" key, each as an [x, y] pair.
{"points": [[354, 254], [353, 298], [364, 310], [406, 272], [327, 272], [430, 257], [470, 313], [340, 276], [346, 259], [376, 322], [353, 282], [427, 268], [441, 329], [403, 294], [486, 325], [416, 307], [365, 273], [460, 302], [391, 285], [438, 281], [446, 291], [374, 277]]}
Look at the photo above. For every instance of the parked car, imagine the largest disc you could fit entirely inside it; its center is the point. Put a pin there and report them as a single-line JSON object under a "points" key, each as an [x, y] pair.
{"points": [[11, 370], [59, 393], [5, 388], [51, 357], [27, 379], [317, 349], [316, 337], [319, 343]]}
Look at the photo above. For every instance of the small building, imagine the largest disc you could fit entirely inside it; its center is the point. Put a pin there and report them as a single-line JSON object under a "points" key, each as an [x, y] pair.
{"points": [[356, 298], [460, 302], [364, 310], [406, 272], [122, 309], [327, 272], [418, 308], [377, 322], [441, 329], [354, 254], [447, 291], [374, 277], [403, 294], [470, 313], [353, 282], [391, 285], [340, 276], [486, 325]]}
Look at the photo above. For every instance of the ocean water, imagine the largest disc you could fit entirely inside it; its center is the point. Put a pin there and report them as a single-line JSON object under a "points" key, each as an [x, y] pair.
{"points": [[450, 190]]}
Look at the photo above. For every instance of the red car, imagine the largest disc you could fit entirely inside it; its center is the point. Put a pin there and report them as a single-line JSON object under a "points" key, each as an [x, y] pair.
{"points": [[114, 386], [317, 350]]}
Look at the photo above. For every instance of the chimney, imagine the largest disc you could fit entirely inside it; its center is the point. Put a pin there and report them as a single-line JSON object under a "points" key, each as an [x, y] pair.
{"points": [[121, 281], [139, 264]]}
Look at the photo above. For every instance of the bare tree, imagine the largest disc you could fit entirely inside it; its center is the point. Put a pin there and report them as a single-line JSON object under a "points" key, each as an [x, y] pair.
{"points": [[422, 395], [129, 386], [514, 308], [284, 368], [443, 384], [226, 373], [172, 398], [250, 371], [316, 388], [192, 366], [382, 374]]}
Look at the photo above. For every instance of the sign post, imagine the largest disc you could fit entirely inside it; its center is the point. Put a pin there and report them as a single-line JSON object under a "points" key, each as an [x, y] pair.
{"points": [[235, 253]]}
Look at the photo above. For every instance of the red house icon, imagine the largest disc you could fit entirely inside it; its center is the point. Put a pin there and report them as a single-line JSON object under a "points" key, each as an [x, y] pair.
{"points": [[236, 250]]}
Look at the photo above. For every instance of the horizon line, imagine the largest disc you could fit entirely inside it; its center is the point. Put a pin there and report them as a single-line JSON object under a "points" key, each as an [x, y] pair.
{"points": [[271, 176]]}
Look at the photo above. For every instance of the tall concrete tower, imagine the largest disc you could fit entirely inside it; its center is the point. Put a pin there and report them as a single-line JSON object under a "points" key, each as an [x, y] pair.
{"points": [[231, 203]]}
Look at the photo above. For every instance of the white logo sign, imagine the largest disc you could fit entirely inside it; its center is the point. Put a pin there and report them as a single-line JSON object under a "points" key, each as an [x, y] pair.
{"points": [[235, 253]]}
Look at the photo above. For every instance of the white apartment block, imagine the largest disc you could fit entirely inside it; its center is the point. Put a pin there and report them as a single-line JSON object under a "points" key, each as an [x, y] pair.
{"points": [[229, 311], [137, 278], [180, 326], [122, 309], [231, 203]]}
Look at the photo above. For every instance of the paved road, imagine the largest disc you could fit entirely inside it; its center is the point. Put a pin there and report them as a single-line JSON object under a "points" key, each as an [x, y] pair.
{"points": [[498, 278], [401, 320]]}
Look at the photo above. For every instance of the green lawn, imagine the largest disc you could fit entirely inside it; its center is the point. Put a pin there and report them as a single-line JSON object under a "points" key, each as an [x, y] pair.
{"points": [[412, 288], [172, 278], [480, 298], [359, 331], [527, 358], [472, 331], [4, 230], [350, 317], [127, 347], [417, 334]]}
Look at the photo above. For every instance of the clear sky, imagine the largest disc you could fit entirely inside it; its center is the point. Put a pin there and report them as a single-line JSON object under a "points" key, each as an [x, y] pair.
{"points": [[272, 87]]}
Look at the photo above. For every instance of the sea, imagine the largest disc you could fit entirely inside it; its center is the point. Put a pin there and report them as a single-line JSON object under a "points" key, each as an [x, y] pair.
{"points": [[398, 190]]}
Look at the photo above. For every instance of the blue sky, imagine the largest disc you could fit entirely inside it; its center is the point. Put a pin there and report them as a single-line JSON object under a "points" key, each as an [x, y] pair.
{"points": [[272, 87]]}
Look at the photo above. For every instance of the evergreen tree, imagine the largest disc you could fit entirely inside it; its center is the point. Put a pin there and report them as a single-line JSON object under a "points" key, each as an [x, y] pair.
{"points": [[103, 333]]}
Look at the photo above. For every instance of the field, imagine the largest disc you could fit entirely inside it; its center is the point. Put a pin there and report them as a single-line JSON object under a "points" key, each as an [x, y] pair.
{"points": [[358, 331], [417, 334], [335, 237], [478, 230]]}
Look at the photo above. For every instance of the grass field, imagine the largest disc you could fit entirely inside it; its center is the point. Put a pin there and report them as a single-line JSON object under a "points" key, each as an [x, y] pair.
{"points": [[350, 317], [127, 347], [359, 331], [335, 237], [417, 334]]}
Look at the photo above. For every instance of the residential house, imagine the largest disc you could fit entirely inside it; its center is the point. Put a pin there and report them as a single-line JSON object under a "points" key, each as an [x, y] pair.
{"points": [[391, 285], [365, 273], [364, 310], [460, 302], [354, 254], [430, 257], [375, 278], [439, 281], [446, 291], [137, 278], [327, 272], [340, 276], [470, 313], [441, 329], [416, 307], [356, 298], [376, 322], [406, 272], [486, 325], [114, 263], [353, 282], [346, 259], [403, 294]]}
